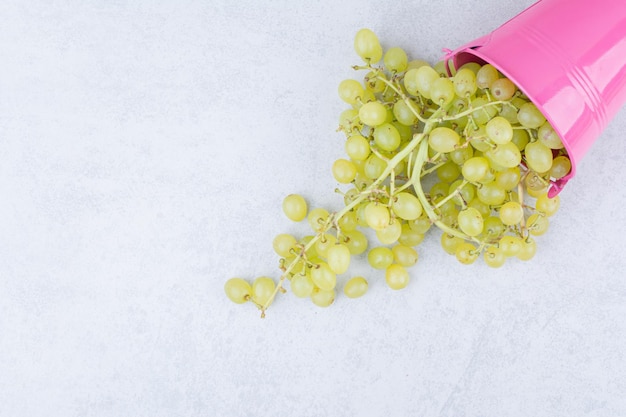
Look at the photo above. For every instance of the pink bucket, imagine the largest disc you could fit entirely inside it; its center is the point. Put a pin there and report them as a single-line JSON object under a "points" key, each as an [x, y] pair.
{"points": [[569, 58]]}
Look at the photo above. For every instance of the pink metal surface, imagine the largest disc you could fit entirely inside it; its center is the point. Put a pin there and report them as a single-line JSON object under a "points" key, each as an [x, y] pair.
{"points": [[569, 58]]}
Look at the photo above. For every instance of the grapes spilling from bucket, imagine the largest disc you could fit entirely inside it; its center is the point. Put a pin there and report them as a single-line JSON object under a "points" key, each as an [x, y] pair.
{"points": [[427, 148]]}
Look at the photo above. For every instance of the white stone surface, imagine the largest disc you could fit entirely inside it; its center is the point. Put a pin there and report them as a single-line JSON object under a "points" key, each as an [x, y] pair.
{"points": [[145, 148]]}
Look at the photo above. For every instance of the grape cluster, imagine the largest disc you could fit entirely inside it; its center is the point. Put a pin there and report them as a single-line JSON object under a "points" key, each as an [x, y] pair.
{"points": [[464, 150]]}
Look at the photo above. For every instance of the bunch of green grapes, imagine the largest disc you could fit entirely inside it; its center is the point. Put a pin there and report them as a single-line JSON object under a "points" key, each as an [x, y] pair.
{"points": [[464, 150]]}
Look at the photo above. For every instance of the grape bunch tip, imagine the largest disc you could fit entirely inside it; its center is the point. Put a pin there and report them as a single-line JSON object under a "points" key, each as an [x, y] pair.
{"points": [[462, 150]]}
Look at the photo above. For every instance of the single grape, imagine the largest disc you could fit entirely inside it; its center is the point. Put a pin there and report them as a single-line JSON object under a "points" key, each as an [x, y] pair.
{"points": [[510, 245], [448, 172], [439, 190], [506, 155], [424, 78], [373, 114], [486, 75], [390, 234], [460, 155], [465, 82], [491, 194], [349, 121], [380, 257], [475, 168], [338, 258], [529, 116], [367, 46], [471, 221], [410, 237], [348, 222], [356, 242], [262, 290], [355, 287], [374, 83], [283, 244], [546, 205], [377, 216], [499, 130], [405, 113], [325, 242], [416, 63], [482, 208], [396, 59], [302, 285], [323, 277], [421, 225], [494, 257], [387, 137], [493, 228], [350, 91], [548, 136], [406, 206], [442, 91], [561, 166], [466, 253], [502, 89], [357, 147], [537, 224], [464, 194], [317, 219], [528, 249], [374, 167], [443, 139], [483, 112], [449, 243], [520, 138], [344, 171], [295, 207], [511, 213], [397, 277], [508, 178], [238, 290], [404, 255], [538, 156], [323, 298]]}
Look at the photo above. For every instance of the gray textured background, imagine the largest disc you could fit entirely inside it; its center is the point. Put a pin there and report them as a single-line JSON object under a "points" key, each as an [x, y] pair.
{"points": [[145, 148]]}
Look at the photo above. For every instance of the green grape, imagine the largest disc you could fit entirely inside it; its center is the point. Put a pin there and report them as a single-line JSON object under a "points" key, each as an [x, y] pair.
{"points": [[396, 59], [302, 285], [486, 75], [397, 277], [478, 139], [405, 113], [390, 234], [520, 138], [350, 196], [529, 116], [510, 245], [482, 114], [561, 166], [373, 83], [475, 168], [324, 243], [537, 224], [350, 91], [493, 228], [546, 205], [367, 46], [377, 216], [404, 255], [508, 178], [449, 243], [502, 89], [509, 112], [283, 243], [441, 68], [295, 207], [470, 221], [538, 157], [421, 225], [443, 139], [535, 183], [344, 171], [465, 82], [460, 155], [439, 190], [380, 257], [482, 208], [506, 155], [357, 147], [238, 290], [466, 253], [323, 277], [360, 172], [317, 219], [355, 287], [349, 120], [511, 213], [387, 137], [499, 130], [348, 222], [373, 113], [442, 91], [491, 194], [465, 193], [406, 206], [494, 257], [416, 63], [262, 290], [528, 249], [323, 298], [356, 242], [472, 66], [374, 167], [548, 136], [338, 258], [410, 237], [410, 81], [424, 78], [448, 172]]}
